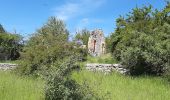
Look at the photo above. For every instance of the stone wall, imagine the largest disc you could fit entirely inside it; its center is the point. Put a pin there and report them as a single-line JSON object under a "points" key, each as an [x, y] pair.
{"points": [[7, 66], [106, 68]]}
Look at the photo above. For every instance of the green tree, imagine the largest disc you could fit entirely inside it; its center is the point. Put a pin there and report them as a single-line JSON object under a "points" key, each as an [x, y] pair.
{"points": [[49, 54], [46, 46], [83, 36], [10, 45], [141, 40]]}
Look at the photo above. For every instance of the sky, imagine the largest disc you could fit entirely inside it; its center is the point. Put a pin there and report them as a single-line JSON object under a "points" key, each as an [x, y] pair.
{"points": [[26, 16]]}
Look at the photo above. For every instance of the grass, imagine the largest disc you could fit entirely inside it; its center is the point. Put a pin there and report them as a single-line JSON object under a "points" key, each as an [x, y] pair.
{"points": [[119, 87], [112, 86], [10, 61], [13, 87], [106, 59]]}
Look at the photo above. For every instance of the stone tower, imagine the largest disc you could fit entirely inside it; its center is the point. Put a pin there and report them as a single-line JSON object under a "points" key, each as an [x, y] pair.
{"points": [[96, 43]]}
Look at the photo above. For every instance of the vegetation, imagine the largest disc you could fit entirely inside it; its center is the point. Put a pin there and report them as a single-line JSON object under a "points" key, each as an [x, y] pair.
{"points": [[10, 45], [82, 36], [45, 47], [142, 40], [118, 87], [141, 43], [50, 55], [61, 86], [104, 59], [14, 87]]}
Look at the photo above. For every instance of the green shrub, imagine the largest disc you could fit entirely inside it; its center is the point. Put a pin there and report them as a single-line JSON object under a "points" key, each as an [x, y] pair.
{"points": [[60, 86]]}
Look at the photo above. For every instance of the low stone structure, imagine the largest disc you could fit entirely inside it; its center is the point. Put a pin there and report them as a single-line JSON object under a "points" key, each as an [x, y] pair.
{"points": [[106, 68], [7, 66], [96, 43]]}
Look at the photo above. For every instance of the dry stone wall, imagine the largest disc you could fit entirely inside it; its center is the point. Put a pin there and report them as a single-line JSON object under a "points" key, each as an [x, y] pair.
{"points": [[7, 66], [106, 68]]}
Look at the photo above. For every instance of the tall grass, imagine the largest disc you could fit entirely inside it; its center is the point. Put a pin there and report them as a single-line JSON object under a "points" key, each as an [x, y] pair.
{"points": [[13, 87], [118, 87]]}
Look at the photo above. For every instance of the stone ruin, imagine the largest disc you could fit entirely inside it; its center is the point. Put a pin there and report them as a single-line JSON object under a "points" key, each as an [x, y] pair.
{"points": [[96, 43]]}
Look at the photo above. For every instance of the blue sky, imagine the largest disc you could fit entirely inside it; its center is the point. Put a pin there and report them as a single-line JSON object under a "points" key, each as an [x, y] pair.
{"points": [[26, 16]]}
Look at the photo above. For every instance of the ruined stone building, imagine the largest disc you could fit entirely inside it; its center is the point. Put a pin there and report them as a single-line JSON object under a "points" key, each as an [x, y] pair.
{"points": [[96, 43]]}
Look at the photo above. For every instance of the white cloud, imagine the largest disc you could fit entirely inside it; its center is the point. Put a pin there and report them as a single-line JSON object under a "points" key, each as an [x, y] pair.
{"points": [[85, 22], [72, 9], [82, 23]]}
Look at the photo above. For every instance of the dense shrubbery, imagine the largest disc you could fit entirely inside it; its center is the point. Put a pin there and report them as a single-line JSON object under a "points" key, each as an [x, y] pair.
{"points": [[60, 86], [142, 40]]}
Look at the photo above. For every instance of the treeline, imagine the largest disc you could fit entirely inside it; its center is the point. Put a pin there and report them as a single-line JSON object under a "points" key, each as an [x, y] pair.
{"points": [[10, 45], [141, 40]]}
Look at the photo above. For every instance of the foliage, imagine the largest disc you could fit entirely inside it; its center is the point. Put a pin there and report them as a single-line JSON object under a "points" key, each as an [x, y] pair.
{"points": [[83, 36], [10, 45], [61, 86], [45, 47], [142, 40], [49, 54]]}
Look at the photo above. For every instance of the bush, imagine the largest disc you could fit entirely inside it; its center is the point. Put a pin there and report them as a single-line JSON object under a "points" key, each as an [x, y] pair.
{"points": [[60, 86]]}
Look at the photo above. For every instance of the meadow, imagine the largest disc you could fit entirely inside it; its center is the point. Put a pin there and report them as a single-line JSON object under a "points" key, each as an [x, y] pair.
{"points": [[113, 86], [14, 87], [119, 87]]}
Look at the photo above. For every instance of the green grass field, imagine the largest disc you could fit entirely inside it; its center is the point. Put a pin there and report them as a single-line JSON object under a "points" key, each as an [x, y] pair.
{"points": [[13, 87], [119, 87], [115, 86], [112, 86]]}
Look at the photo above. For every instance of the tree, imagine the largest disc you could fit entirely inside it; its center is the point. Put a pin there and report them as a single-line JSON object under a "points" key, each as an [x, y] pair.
{"points": [[83, 36], [141, 41], [45, 47], [10, 45]]}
